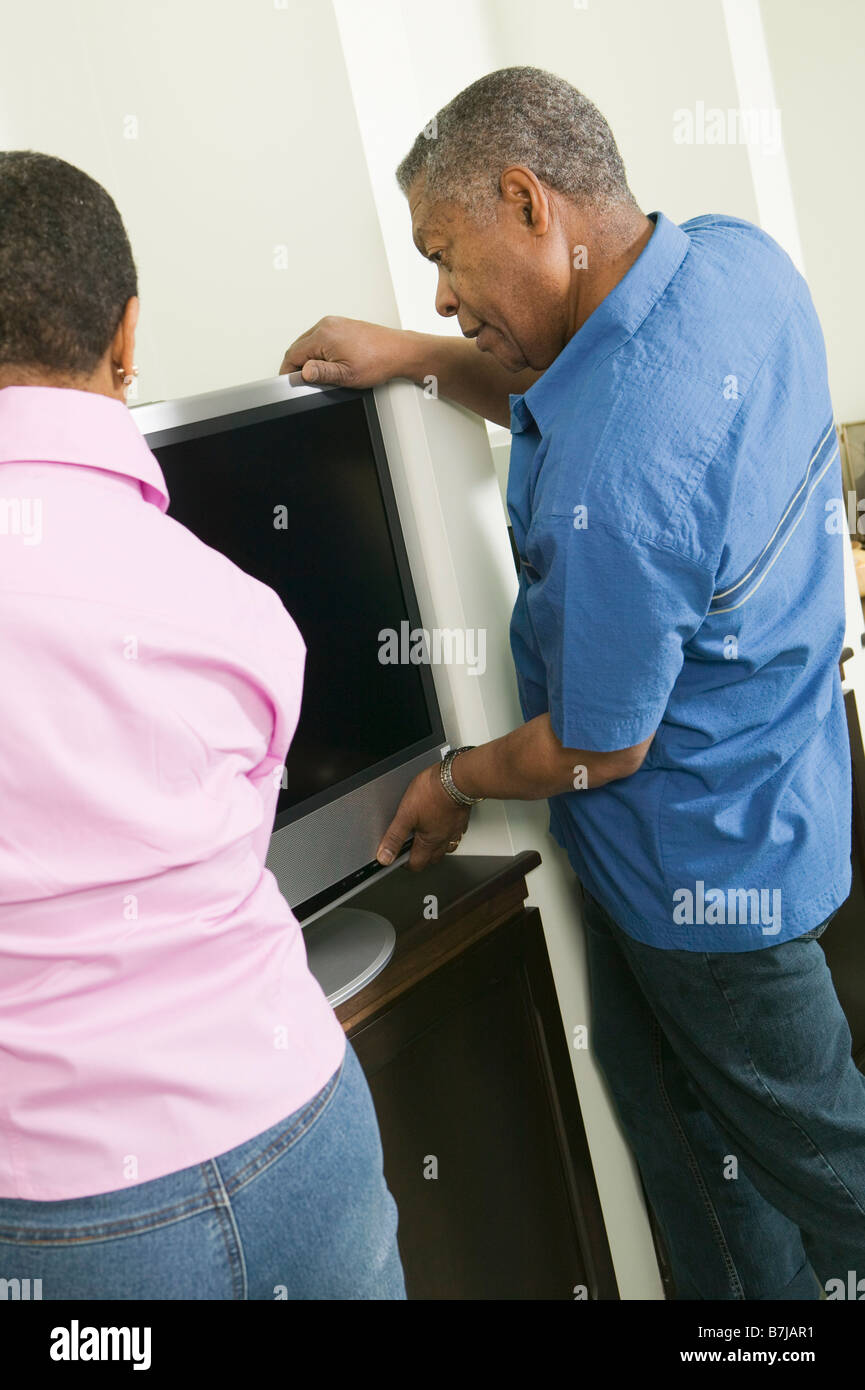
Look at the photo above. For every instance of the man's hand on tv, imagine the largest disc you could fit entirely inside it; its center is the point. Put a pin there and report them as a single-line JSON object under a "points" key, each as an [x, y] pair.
{"points": [[433, 817], [347, 352], [351, 352]]}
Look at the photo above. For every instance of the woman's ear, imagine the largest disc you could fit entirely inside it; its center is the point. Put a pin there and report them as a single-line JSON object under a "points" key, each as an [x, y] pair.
{"points": [[122, 352], [125, 335]]}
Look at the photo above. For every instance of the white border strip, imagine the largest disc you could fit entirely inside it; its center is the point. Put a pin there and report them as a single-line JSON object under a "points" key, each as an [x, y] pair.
{"points": [[769, 172]]}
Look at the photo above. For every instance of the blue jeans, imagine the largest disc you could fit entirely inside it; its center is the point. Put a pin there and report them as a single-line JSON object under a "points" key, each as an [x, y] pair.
{"points": [[299, 1212], [735, 1086]]}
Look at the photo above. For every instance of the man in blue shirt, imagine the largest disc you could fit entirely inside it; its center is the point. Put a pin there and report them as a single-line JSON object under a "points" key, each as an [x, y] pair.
{"points": [[676, 639], [668, 491]]}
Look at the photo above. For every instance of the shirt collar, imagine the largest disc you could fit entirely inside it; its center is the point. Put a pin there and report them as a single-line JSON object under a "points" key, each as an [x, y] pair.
{"points": [[50, 424], [615, 319]]}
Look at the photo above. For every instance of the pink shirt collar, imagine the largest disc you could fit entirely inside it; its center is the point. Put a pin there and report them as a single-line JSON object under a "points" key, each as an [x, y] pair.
{"points": [[51, 424]]}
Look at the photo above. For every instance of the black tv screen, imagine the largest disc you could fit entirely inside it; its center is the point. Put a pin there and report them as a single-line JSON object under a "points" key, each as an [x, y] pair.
{"points": [[337, 563]]}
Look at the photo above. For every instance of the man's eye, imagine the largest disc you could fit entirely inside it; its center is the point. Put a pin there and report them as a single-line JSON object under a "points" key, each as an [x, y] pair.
{"points": [[436, 257]]}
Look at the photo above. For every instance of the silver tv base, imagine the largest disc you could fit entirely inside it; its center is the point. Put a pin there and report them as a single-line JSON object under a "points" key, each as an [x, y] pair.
{"points": [[346, 948]]}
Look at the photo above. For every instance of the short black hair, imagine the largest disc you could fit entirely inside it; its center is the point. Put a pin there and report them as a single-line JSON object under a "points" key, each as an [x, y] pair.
{"points": [[66, 266]]}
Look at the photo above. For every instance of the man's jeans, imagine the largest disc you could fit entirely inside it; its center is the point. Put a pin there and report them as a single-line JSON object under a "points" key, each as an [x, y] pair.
{"points": [[736, 1089], [301, 1211]]}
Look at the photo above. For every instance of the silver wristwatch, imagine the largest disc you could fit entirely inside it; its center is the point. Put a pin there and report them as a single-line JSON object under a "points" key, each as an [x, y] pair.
{"points": [[448, 782]]}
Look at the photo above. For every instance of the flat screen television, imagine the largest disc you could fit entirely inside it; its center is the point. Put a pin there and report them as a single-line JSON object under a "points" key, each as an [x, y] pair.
{"points": [[338, 562]]}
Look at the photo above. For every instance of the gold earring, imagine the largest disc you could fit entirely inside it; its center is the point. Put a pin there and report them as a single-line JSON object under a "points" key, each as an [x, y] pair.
{"points": [[127, 378]]}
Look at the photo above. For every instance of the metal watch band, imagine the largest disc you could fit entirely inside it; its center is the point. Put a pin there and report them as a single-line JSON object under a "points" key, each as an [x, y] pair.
{"points": [[448, 782]]}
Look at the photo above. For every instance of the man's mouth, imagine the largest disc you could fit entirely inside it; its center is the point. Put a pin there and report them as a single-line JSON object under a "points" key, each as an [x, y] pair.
{"points": [[483, 335]]}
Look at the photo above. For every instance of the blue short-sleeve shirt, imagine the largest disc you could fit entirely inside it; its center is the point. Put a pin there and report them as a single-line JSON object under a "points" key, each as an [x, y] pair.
{"points": [[675, 493]]}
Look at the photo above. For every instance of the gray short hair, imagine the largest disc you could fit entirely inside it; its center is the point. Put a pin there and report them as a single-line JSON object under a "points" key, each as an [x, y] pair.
{"points": [[517, 116]]}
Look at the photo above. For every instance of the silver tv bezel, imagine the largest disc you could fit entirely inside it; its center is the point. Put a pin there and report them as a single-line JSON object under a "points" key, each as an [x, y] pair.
{"points": [[323, 856]]}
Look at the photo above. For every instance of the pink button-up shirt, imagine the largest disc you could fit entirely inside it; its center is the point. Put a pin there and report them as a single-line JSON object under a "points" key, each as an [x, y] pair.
{"points": [[155, 1003]]}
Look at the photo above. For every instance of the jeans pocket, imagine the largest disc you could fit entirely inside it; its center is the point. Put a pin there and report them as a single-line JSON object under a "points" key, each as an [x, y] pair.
{"points": [[595, 917], [240, 1165]]}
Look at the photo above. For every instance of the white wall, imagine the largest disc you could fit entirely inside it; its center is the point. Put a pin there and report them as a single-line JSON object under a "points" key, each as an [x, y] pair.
{"points": [[245, 141], [402, 68], [817, 57], [639, 63]]}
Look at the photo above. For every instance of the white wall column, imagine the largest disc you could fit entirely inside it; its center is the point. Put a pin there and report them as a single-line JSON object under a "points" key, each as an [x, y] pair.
{"points": [[457, 534]]}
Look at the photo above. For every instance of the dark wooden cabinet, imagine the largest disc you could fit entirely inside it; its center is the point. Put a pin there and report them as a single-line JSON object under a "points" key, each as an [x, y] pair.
{"points": [[462, 1043]]}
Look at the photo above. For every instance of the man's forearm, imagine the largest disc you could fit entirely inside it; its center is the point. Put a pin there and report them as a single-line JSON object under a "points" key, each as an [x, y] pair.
{"points": [[463, 373], [529, 764]]}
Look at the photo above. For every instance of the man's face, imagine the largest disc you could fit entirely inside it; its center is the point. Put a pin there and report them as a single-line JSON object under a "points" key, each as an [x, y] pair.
{"points": [[506, 284]]}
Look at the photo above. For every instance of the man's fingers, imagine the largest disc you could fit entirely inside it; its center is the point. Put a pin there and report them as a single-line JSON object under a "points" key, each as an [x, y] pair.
{"points": [[426, 851], [394, 837], [319, 354], [316, 370], [324, 373], [300, 352], [420, 813]]}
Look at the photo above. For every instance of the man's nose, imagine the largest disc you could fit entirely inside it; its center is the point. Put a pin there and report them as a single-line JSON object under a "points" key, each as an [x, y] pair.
{"points": [[447, 303]]}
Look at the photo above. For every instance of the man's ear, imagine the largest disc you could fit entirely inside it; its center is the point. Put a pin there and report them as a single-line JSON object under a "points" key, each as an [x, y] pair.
{"points": [[525, 195]]}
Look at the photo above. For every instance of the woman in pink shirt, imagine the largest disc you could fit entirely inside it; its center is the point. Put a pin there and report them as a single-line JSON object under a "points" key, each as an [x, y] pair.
{"points": [[180, 1114]]}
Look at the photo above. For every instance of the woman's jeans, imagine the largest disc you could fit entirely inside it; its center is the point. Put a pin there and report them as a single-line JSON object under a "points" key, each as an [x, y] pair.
{"points": [[736, 1089], [299, 1212]]}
